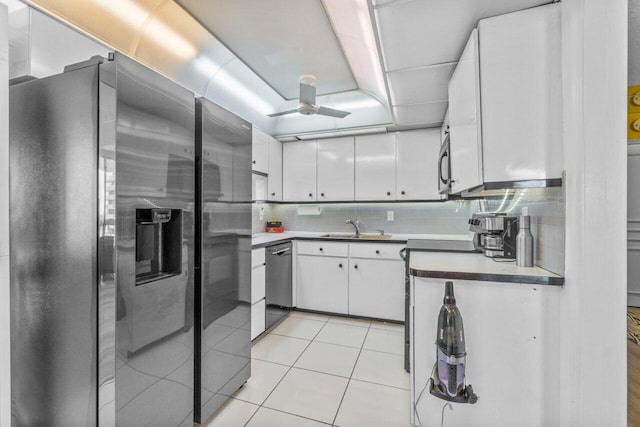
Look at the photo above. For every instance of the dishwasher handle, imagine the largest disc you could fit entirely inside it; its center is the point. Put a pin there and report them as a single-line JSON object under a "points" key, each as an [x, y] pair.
{"points": [[281, 251]]}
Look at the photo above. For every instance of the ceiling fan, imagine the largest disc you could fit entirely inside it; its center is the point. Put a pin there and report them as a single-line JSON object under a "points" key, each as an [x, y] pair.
{"points": [[307, 105]]}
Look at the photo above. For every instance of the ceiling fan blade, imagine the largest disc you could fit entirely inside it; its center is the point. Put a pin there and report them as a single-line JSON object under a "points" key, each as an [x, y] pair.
{"points": [[307, 94], [324, 111], [282, 113]]}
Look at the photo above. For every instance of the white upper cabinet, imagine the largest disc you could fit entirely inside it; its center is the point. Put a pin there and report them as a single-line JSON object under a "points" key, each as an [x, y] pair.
{"points": [[376, 167], [416, 174], [444, 130], [520, 69], [336, 169], [299, 171], [274, 181], [260, 160], [464, 120]]}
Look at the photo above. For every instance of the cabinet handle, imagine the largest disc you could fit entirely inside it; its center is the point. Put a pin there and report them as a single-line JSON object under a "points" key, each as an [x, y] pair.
{"points": [[321, 249], [310, 195], [340, 265], [273, 194], [377, 251], [264, 263], [388, 193], [355, 266], [322, 194], [253, 161], [402, 192]]}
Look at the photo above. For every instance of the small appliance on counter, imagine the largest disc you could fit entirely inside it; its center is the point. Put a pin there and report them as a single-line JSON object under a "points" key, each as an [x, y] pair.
{"points": [[495, 234], [274, 226], [447, 381]]}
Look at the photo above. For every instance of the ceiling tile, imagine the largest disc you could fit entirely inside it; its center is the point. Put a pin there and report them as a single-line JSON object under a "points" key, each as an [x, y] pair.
{"points": [[420, 113], [420, 85], [279, 40], [419, 33]]}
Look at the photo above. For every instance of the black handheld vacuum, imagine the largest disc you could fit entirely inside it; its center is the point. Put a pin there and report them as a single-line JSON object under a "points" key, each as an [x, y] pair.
{"points": [[447, 380]]}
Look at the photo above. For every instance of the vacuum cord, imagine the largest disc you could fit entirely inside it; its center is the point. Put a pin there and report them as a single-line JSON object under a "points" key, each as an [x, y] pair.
{"points": [[442, 418], [415, 405]]}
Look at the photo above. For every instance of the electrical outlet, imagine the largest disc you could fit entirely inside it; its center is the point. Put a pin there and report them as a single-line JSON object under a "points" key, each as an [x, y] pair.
{"points": [[261, 213], [389, 215]]}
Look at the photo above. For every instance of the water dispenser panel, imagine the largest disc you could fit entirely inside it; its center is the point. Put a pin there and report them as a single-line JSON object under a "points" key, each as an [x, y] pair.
{"points": [[158, 244]]}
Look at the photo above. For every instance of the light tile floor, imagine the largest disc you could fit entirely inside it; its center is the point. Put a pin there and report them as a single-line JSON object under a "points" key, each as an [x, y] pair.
{"points": [[315, 370]]}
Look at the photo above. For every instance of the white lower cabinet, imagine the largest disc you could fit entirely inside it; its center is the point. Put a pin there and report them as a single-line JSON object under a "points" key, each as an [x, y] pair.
{"points": [[258, 280], [258, 318], [322, 283], [376, 288], [360, 279]]}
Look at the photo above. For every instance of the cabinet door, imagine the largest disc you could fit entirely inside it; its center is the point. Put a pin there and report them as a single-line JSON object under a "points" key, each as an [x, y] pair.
{"points": [[444, 130], [322, 283], [260, 151], [258, 187], [336, 169], [376, 167], [299, 171], [275, 170], [417, 165], [258, 318], [258, 275], [464, 120], [377, 288], [521, 86]]}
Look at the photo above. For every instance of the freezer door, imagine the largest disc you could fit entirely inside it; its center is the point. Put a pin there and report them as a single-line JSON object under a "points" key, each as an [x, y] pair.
{"points": [[53, 155], [154, 185], [223, 289]]}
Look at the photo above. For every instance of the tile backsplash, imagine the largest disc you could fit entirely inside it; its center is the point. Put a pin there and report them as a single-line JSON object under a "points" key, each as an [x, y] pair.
{"points": [[546, 208], [415, 218], [547, 211]]}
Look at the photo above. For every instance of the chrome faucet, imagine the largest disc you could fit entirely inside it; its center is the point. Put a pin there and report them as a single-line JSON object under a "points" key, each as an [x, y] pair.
{"points": [[356, 225]]}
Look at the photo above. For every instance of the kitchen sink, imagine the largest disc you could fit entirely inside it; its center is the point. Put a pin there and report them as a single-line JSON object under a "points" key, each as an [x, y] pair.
{"points": [[363, 236]]}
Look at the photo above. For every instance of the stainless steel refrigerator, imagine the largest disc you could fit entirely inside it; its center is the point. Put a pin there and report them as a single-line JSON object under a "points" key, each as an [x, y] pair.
{"points": [[223, 257], [102, 248]]}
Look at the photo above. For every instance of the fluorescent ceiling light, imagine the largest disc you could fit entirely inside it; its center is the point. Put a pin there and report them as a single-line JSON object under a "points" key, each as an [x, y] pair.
{"points": [[142, 20], [347, 132], [357, 104], [352, 24], [233, 85]]}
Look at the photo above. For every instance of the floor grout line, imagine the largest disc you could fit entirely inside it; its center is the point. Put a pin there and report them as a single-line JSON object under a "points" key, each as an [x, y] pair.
{"points": [[350, 377], [370, 327], [285, 374]]}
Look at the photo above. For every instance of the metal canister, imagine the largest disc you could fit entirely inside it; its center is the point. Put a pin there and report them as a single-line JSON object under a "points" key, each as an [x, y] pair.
{"points": [[524, 243]]}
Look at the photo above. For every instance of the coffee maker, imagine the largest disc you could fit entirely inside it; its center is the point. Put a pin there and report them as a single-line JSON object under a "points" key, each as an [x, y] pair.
{"points": [[494, 234]]}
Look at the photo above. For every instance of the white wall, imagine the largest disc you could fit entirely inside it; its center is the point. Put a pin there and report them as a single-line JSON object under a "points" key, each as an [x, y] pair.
{"points": [[593, 306], [5, 366]]}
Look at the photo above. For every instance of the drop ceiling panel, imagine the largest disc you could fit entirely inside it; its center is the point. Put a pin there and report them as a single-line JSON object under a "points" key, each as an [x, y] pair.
{"points": [[279, 40], [420, 85], [426, 32], [431, 113]]}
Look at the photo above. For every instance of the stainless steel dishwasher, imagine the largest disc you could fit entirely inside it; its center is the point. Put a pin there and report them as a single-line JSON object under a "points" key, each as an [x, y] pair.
{"points": [[279, 296]]}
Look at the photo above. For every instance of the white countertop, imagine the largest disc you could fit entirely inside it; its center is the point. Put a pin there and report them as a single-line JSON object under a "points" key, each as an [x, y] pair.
{"points": [[465, 265], [264, 238]]}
